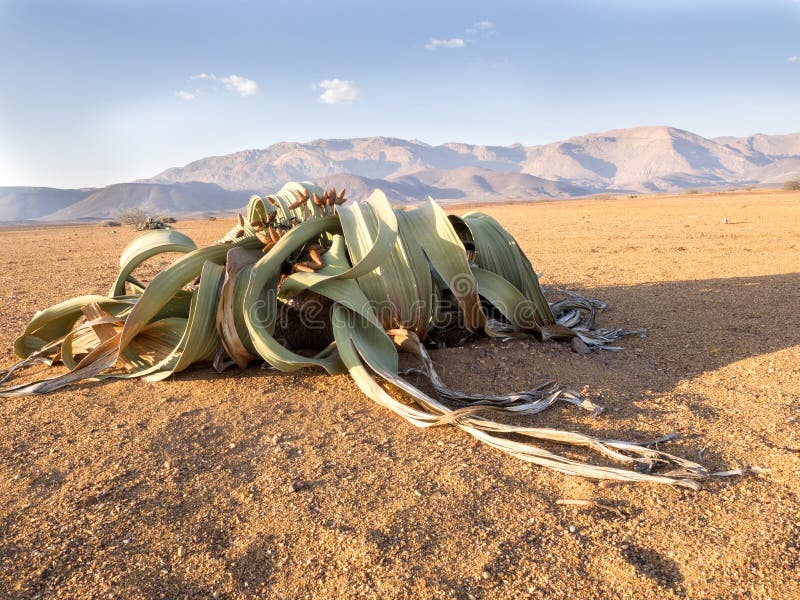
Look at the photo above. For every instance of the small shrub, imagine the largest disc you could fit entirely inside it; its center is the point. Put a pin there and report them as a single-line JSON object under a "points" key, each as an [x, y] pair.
{"points": [[792, 184], [133, 216], [142, 221], [693, 191], [111, 223]]}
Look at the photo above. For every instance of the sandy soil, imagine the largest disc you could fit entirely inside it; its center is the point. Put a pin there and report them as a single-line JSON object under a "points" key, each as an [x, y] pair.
{"points": [[182, 489]]}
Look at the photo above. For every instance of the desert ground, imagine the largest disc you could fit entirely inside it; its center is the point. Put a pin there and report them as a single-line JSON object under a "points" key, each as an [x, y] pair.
{"points": [[182, 489]]}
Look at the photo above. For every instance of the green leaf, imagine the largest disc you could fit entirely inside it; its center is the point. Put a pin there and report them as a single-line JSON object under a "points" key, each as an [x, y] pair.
{"points": [[146, 246], [497, 251]]}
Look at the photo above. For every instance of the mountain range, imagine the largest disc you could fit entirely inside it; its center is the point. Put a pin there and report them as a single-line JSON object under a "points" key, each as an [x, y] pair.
{"points": [[622, 161]]}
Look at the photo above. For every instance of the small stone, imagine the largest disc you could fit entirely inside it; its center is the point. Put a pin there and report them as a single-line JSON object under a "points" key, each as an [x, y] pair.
{"points": [[181, 552], [298, 484], [231, 445], [167, 464], [89, 500], [724, 220], [572, 529], [485, 574], [579, 346]]}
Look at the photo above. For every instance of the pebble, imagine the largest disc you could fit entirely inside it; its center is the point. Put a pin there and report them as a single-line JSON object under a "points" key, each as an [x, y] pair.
{"points": [[89, 500], [572, 529], [297, 485]]}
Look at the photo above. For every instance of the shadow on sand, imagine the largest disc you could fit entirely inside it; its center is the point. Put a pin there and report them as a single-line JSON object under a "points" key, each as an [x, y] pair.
{"points": [[699, 326]]}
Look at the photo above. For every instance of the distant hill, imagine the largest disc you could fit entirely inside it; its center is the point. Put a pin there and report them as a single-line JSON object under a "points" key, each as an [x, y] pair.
{"points": [[462, 184], [478, 183], [153, 198], [22, 203], [639, 159], [763, 149], [643, 159], [374, 158]]}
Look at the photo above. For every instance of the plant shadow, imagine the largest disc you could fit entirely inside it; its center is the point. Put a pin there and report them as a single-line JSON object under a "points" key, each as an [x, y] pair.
{"points": [[694, 327]]}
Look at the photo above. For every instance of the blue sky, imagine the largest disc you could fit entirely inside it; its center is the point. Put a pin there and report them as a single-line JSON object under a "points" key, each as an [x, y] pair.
{"points": [[100, 91]]}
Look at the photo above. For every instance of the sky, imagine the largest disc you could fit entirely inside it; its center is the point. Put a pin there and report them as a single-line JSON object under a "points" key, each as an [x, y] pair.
{"points": [[96, 92]]}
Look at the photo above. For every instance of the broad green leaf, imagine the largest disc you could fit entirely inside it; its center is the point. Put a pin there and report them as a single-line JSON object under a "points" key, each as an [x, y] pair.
{"points": [[497, 251], [432, 232], [146, 246]]}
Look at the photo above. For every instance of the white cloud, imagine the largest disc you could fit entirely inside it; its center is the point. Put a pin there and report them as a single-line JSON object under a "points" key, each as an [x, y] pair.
{"points": [[480, 27], [451, 43], [183, 95], [339, 91], [241, 85], [473, 32], [792, 59]]}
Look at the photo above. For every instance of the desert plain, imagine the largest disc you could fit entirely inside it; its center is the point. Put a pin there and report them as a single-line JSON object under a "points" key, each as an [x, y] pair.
{"points": [[183, 488]]}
